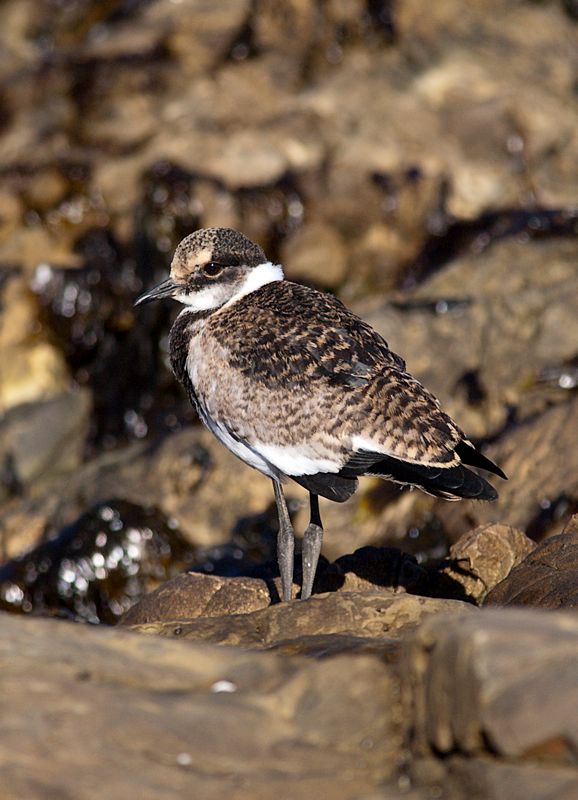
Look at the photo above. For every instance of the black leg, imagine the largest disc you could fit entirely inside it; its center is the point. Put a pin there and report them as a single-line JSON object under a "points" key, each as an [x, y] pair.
{"points": [[312, 539], [285, 543]]}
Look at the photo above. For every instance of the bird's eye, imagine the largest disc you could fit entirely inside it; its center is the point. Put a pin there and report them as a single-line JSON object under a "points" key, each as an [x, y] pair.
{"points": [[212, 269]]}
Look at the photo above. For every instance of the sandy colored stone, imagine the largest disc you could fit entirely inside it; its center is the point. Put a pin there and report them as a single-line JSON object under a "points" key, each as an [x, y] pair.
{"points": [[468, 682], [45, 437], [481, 559], [92, 711], [195, 595], [31, 366], [315, 253]]}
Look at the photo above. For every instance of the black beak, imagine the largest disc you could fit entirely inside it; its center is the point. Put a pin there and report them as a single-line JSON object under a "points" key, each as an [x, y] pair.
{"points": [[167, 288]]}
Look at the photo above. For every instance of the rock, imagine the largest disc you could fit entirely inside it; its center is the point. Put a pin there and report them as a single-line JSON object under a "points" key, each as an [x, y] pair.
{"points": [[467, 680], [46, 189], [198, 33], [542, 489], [172, 719], [373, 567], [97, 567], [195, 595], [32, 367], [571, 526], [492, 367], [10, 213], [547, 577], [185, 475], [43, 438], [489, 780], [370, 615], [480, 560], [316, 254], [455, 71]]}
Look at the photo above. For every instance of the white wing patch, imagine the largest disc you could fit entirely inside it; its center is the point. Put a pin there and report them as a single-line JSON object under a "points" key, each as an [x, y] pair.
{"points": [[296, 459]]}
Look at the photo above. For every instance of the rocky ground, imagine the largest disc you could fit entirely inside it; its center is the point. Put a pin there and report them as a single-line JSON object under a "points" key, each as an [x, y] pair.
{"points": [[420, 161]]}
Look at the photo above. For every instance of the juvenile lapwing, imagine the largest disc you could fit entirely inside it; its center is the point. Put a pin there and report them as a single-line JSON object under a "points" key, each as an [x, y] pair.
{"points": [[297, 386]]}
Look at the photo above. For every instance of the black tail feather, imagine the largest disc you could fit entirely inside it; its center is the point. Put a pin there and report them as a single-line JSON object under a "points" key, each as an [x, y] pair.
{"points": [[451, 483], [469, 455], [448, 482]]}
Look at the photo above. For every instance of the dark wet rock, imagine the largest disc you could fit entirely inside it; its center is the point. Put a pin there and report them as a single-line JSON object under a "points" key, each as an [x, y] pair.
{"points": [[175, 719], [97, 567], [89, 312], [547, 577], [374, 616], [42, 438], [467, 681], [195, 595], [480, 560]]}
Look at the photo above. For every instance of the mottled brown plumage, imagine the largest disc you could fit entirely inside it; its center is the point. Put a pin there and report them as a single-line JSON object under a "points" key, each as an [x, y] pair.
{"points": [[298, 386]]}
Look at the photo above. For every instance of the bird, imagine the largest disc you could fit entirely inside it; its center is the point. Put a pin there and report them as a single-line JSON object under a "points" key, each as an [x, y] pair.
{"points": [[299, 387]]}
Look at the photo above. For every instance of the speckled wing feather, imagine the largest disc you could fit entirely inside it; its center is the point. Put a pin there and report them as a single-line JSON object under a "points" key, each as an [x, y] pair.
{"points": [[335, 384]]}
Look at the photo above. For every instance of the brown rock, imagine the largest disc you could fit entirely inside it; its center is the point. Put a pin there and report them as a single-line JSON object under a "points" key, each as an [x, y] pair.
{"points": [[32, 368], [499, 308], [185, 475], [315, 253], [45, 189], [124, 715], [195, 595], [481, 559], [198, 34], [571, 526], [45, 437], [468, 680], [371, 615], [547, 577], [541, 461], [486, 779]]}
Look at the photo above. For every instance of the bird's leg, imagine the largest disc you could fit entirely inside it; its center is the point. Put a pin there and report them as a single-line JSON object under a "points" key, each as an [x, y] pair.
{"points": [[312, 539], [285, 543]]}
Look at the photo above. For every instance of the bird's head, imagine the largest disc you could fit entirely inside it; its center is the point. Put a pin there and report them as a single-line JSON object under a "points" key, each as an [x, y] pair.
{"points": [[212, 267]]}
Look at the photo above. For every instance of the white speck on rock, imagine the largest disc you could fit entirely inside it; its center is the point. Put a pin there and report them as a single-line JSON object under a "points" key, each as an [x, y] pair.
{"points": [[223, 686]]}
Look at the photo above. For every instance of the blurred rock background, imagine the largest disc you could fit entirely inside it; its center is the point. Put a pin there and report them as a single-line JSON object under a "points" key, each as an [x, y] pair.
{"points": [[418, 159]]}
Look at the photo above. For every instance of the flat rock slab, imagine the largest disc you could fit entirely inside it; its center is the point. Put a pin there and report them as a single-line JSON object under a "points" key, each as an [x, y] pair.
{"points": [[503, 681], [371, 616], [194, 594], [98, 712], [547, 577]]}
